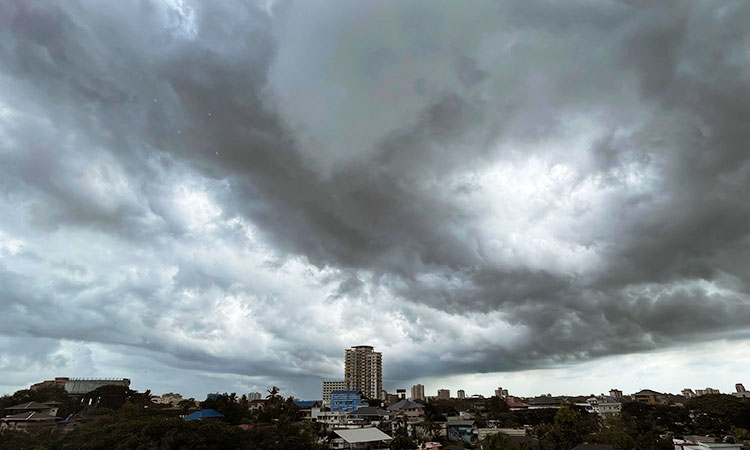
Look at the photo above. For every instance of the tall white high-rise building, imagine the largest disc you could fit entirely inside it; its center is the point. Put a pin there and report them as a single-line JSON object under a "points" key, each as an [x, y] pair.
{"points": [[330, 386], [364, 370], [461, 394], [254, 396]]}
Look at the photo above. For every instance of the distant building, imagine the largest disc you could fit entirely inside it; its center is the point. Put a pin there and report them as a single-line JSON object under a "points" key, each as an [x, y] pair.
{"points": [[461, 394], [688, 393], [330, 386], [740, 391], [257, 396], [603, 406], [707, 391], [58, 381], [417, 392], [407, 408], [616, 393], [401, 394], [443, 394], [169, 398], [500, 392], [363, 370], [82, 386], [346, 401], [650, 397]]}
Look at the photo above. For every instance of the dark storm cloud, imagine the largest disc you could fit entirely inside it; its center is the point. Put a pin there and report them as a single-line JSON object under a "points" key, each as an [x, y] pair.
{"points": [[361, 149]]}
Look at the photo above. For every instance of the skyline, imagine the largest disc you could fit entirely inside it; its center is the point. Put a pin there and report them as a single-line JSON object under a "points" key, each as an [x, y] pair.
{"points": [[512, 193]]}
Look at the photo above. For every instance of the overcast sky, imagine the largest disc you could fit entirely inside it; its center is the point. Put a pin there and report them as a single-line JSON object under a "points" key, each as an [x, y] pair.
{"points": [[222, 196]]}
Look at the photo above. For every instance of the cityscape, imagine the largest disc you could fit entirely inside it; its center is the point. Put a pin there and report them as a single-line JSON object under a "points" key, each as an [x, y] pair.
{"points": [[357, 413], [374, 224]]}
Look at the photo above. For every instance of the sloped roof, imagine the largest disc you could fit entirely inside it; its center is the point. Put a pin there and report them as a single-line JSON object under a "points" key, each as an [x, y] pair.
{"points": [[31, 416], [203, 414], [358, 435], [405, 404], [648, 392], [306, 403], [29, 406], [369, 411]]}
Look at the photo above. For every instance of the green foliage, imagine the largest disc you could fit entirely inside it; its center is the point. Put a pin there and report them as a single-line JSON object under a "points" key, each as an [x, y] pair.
{"points": [[569, 429], [497, 441], [112, 397], [719, 413], [623, 434], [115, 432]]}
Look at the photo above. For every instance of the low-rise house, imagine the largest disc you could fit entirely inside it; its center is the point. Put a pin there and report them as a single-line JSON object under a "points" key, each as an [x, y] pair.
{"points": [[368, 415], [48, 408], [25, 421], [203, 414], [407, 408], [369, 438]]}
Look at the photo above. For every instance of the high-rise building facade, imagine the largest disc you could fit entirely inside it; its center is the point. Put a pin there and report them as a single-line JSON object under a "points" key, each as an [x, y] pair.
{"points": [[500, 392], [330, 386], [363, 370], [417, 392], [444, 394], [461, 394], [255, 396]]}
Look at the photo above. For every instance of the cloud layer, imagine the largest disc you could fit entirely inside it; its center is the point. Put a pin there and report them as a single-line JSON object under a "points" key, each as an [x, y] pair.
{"points": [[242, 190]]}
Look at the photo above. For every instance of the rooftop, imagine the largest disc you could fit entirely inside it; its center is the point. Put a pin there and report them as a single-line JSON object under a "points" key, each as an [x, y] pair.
{"points": [[360, 435]]}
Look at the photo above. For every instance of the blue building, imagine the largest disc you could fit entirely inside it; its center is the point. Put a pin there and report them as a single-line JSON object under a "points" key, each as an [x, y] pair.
{"points": [[346, 401]]}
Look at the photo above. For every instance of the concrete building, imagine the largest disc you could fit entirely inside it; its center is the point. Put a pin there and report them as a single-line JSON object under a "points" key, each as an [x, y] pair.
{"points": [[363, 370], [740, 391], [688, 393], [401, 394], [650, 397], [461, 394], [603, 406], [444, 394], [330, 386], [346, 401], [616, 393], [500, 392], [82, 386], [417, 392], [706, 391], [58, 381], [257, 395]]}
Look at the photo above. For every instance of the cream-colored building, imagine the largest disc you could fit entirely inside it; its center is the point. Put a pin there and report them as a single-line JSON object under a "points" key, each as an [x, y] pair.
{"points": [[363, 370], [330, 386]]}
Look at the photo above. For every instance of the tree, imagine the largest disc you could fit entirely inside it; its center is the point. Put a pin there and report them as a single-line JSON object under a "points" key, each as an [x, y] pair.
{"points": [[569, 429], [497, 441]]}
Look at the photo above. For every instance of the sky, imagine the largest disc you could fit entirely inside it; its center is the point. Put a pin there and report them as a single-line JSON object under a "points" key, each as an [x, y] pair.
{"points": [[551, 197]]}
